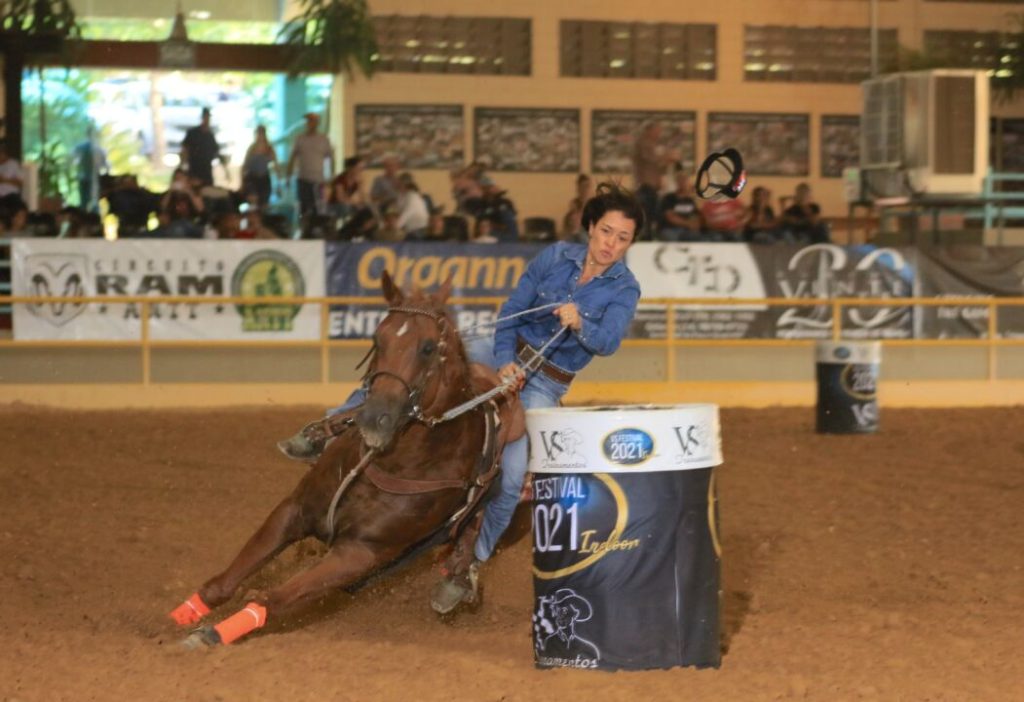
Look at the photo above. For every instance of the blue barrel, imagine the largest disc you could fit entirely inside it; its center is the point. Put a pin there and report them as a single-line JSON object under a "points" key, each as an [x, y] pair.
{"points": [[626, 560], [847, 374]]}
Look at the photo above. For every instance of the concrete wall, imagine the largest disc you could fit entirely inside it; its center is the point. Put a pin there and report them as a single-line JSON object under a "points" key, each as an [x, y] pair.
{"points": [[548, 194]]}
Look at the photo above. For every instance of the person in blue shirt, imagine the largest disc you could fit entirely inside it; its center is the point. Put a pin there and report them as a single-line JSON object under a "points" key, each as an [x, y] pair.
{"points": [[585, 289]]}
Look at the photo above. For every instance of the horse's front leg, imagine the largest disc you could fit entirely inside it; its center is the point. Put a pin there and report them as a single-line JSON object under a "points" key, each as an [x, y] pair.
{"points": [[293, 519], [347, 562]]}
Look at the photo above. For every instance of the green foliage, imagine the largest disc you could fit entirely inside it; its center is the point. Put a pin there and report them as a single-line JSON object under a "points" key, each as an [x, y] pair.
{"points": [[38, 17], [332, 35]]}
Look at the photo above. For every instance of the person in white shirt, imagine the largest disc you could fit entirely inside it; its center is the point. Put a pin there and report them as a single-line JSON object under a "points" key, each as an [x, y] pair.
{"points": [[311, 150], [413, 213], [10, 173]]}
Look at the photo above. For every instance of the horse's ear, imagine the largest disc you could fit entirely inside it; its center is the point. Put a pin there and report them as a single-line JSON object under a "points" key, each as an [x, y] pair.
{"points": [[445, 291], [392, 293]]}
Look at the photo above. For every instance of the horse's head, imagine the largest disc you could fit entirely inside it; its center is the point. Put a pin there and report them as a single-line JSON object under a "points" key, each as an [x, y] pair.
{"points": [[418, 364]]}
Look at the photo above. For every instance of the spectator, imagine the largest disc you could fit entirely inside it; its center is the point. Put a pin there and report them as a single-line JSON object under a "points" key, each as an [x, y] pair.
{"points": [[413, 212], [253, 227], [11, 176], [802, 219], [200, 148], [467, 190], [76, 223], [179, 217], [679, 216], [385, 187], [389, 230], [132, 205], [648, 170], [259, 158], [499, 209], [90, 161], [723, 219], [13, 215], [311, 150], [482, 232], [572, 225], [761, 226], [228, 225], [435, 225]]}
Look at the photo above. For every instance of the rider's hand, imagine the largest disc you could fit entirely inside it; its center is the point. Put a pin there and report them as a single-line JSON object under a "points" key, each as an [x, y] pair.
{"points": [[569, 315], [511, 370]]}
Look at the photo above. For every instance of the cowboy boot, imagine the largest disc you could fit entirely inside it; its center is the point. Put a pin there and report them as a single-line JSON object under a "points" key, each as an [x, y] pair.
{"points": [[310, 441], [461, 571]]}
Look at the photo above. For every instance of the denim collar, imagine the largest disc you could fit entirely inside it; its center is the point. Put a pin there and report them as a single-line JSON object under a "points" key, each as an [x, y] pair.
{"points": [[578, 254]]}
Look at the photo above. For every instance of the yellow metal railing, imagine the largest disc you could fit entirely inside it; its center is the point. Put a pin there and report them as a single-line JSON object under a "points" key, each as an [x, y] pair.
{"points": [[146, 343]]}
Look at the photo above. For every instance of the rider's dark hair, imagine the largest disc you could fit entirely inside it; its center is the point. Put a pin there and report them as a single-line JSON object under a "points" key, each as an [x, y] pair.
{"points": [[612, 197]]}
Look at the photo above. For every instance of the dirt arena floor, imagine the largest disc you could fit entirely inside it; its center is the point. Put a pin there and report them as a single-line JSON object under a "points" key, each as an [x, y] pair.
{"points": [[883, 567]]}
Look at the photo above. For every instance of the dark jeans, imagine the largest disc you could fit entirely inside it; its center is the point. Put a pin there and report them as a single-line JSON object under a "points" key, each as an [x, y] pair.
{"points": [[307, 191]]}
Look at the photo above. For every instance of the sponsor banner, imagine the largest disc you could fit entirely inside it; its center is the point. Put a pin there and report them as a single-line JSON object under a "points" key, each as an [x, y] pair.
{"points": [[476, 270], [623, 439], [620, 539], [826, 271], [211, 269]]}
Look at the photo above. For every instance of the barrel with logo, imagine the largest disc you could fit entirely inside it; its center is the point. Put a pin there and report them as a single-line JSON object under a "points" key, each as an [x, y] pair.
{"points": [[847, 386], [625, 542]]}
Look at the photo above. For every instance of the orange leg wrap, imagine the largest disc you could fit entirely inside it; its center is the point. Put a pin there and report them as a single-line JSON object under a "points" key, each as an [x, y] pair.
{"points": [[190, 611], [252, 617]]}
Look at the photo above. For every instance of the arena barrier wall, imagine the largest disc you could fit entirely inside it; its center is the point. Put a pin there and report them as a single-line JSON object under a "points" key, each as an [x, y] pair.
{"points": [[758, 372]]}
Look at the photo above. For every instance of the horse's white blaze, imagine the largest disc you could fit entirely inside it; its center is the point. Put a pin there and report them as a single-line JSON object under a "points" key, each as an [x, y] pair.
{"points": [[403, 329]]}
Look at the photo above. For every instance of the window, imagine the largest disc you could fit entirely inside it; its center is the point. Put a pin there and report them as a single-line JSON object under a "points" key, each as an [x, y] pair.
{"points": [[638, 50], [965, 49], [475, 45], [814, 54]]}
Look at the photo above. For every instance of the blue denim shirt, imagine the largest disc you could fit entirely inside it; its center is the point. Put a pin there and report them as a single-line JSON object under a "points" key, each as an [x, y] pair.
{"points": [[607, 304]]}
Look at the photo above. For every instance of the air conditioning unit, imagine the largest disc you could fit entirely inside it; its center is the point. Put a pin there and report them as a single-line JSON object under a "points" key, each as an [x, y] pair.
{"points": [[927, 131]]}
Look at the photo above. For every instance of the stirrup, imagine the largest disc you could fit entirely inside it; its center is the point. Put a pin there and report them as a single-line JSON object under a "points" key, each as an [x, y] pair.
{"points": [[454, 590]]}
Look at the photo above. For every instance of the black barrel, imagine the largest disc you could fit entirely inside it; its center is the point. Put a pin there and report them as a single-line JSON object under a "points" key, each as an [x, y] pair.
{"points": [[847, 386]]}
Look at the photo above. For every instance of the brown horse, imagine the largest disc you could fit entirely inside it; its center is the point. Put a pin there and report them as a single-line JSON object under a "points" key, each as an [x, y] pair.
{"points": [[407, 479]]}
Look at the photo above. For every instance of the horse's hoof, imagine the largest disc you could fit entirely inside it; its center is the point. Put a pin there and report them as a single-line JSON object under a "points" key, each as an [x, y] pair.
{"points": [[203, 637]]}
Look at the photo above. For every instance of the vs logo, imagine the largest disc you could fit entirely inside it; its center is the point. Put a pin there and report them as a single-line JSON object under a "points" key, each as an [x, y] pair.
{"points": [[693, 441], [560, 445]]}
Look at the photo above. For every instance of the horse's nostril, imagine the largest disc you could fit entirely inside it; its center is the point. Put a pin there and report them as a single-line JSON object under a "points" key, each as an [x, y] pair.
{"points": [[383, 422]]}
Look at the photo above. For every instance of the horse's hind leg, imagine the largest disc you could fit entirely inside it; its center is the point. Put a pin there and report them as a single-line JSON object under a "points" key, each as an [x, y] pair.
{"points": [[346, 563]]}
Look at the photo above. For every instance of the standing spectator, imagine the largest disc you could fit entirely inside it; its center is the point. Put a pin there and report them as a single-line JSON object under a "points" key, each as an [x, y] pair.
{"points": [[311, 150], [259, 157], [385, 187], [572, 225], [723, 219], [679, 216], [11, 176], [90, 162], [761, 226], [648, 170], [200, 148], [802, 219], [413, 212]]}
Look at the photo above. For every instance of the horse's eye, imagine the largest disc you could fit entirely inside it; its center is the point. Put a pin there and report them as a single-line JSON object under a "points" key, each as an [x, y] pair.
{"points": [[427, 348]]}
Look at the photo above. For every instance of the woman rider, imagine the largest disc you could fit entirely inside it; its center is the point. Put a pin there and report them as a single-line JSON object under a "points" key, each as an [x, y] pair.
{"points": [[598, 296]]}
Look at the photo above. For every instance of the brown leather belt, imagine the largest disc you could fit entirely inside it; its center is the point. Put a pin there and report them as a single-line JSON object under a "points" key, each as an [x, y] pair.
{"points": [[525, 352]]}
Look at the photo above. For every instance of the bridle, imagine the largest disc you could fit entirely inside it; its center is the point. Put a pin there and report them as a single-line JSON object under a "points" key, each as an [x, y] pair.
{"points": [[414, 393]]}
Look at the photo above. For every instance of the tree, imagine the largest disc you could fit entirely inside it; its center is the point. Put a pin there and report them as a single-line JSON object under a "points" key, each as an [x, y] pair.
{"points": [[334, 36]]}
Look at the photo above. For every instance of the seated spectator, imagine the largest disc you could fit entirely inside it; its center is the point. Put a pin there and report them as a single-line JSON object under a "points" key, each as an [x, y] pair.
{"points": [[386, 187], [482, 232], [179, 217], [76, 223], [390, 230], [678, 214], [413, 213], [253, 227], [572, 225], [228, 225], [761, 226], [499, 209], [723, 219], [132, 205], [467, 189], [435, 225], [13, 216], [802, 219]]}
